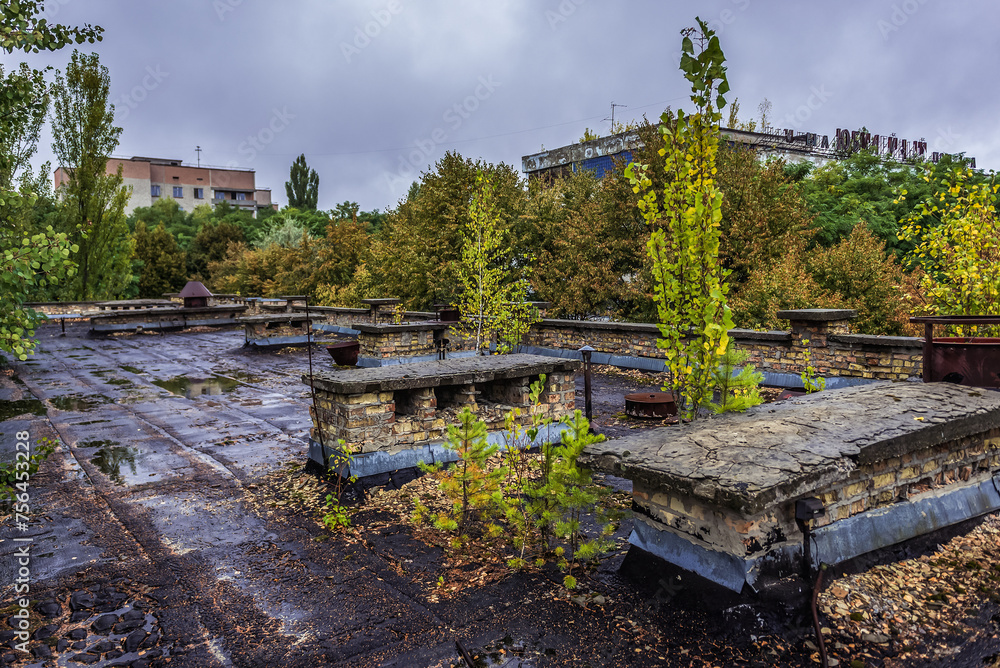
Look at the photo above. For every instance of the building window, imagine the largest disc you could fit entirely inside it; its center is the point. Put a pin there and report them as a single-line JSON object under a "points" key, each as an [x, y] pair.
{"points": [[241, 195], [220, 195], [154, 191], [178, 192], [199, 193]]}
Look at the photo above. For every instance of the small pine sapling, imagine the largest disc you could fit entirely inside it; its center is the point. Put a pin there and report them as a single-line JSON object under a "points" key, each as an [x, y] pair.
{"points": [[475, 491], [737, 382], [566, 494], [521, 465]]}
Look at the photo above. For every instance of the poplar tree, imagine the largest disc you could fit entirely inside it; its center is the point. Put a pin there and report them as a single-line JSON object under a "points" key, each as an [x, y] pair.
{"points": [[302, 188], [689, 281], [84, 136], [27, 261]]}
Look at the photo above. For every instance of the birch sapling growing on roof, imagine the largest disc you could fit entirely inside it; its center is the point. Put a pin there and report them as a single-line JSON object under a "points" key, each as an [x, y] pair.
{"points": [[494, 289]]}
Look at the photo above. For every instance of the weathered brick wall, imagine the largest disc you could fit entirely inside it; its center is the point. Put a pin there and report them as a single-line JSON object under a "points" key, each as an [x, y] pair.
{"points": [[385, 341], [389, 421], [934, 469], [834, 351], [958, 462], [347, 317], [223, 314]]}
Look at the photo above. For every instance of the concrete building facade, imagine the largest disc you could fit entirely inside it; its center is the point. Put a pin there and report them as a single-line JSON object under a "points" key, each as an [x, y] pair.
{"points": [[599, 155], [152, 179]]}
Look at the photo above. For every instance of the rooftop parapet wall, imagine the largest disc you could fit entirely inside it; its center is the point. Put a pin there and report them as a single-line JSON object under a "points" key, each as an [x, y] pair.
{"points": [[384, 342], [165, 318], [833, 350], [719, 495]]}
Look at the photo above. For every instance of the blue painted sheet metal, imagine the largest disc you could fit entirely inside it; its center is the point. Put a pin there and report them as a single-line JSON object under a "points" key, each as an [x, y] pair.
{"points": [[279, 341], [835, 543], [899, 522], [336, 329], [723, 568], [375, 463]]}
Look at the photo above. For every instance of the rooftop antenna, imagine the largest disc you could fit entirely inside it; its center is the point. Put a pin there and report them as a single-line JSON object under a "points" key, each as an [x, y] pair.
{"points": [[613, 105], [197, 149]]}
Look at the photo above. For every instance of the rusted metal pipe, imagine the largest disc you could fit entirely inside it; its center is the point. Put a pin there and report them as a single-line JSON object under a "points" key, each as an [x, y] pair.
{"points": [[586, 351], [928, 351], [312, 387], [824, 661]]}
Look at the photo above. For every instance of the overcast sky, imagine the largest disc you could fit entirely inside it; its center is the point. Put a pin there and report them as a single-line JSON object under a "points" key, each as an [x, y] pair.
{"points": [[374, 92]]}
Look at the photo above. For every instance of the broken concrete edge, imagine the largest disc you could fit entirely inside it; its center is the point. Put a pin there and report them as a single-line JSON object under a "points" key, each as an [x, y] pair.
{"points": [[834, 544], [616, 457], [436, 373], [335, 329], [376, 463], [375, 362], [871, 342], [402, 327]]}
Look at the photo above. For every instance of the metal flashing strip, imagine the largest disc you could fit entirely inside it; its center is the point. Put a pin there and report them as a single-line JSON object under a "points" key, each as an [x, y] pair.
{"points": [[279, 341], [723, 568], [899, 522], [656, 365], [336, 329], [835, 543], [375, 463]]}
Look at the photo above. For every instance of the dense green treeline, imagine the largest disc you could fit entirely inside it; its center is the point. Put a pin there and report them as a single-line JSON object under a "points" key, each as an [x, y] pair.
{"points": [[860, 232]]}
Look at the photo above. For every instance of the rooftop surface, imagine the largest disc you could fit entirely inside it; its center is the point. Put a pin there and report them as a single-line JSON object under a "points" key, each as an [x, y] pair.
{"points": [[170, 495]]}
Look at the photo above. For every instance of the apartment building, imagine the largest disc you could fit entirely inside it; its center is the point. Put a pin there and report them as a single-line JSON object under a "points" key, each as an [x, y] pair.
{"points": [[155, 178]]}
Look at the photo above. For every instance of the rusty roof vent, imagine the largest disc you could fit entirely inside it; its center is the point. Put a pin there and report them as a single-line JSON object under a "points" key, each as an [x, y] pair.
{"points": [[195, 295], [650, 404]]}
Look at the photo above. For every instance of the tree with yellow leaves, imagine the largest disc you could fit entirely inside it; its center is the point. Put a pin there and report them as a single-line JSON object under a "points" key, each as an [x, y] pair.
{"points": [[689, 280], [957, 242]]}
